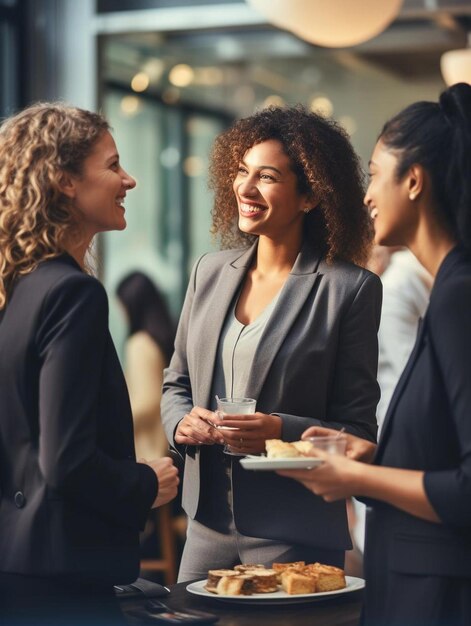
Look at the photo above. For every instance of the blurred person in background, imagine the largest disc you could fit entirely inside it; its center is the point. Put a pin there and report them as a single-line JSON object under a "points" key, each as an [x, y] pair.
{"points": [[418, 480], [148, 349], [72, 496], [290, 320], [406, 292]]}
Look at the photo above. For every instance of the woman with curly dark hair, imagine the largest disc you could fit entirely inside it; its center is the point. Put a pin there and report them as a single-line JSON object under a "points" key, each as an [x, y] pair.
{"points": [[290, 321]]}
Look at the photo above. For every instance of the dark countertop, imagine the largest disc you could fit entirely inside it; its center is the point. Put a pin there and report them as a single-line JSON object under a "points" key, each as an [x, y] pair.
{"points": [[343, 610]]}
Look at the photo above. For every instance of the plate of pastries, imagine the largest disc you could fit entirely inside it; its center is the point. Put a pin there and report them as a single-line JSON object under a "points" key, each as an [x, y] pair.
{"points": [[283, 582], [282, 455]]}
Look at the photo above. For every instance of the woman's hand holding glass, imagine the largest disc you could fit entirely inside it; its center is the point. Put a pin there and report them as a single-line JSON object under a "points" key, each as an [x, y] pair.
{"points": [[251, 431], [357, 448], [339, 476], [196, 428]]}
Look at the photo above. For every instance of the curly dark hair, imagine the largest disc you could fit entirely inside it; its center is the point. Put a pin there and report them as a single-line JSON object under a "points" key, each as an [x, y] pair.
{"points": [[326, 166]]}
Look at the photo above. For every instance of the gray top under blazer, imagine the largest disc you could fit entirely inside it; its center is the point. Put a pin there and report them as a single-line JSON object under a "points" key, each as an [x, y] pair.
{"points": [[72, 497], [315, 365]]}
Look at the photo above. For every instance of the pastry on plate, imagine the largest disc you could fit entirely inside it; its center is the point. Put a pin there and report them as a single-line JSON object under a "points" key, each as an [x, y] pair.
{"points": [[295, 582], [329, 578], [282, 567], [238, 585], [278, 449], [215, 575], [264, 580]]}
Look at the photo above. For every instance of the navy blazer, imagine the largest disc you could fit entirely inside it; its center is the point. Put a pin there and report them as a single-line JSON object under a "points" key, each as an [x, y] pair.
{"points": [[315, 364], [72, 498], [428, 428]]}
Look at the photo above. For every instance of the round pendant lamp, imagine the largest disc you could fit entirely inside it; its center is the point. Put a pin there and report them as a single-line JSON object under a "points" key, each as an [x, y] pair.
{"points": [[330, 23], [456, 65]]}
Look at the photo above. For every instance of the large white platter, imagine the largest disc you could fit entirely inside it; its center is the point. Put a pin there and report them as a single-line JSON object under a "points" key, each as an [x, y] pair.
{"points": [[277, 597], [263, 464]]}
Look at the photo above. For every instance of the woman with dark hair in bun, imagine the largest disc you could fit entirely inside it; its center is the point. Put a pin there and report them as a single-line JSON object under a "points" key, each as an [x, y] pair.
{"points": [[418, 539]]}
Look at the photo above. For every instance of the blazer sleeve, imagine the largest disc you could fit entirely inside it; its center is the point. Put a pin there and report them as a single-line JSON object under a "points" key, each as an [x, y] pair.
{"points": [[177, 396], [354, 393], [71, 341], [449, 490]]}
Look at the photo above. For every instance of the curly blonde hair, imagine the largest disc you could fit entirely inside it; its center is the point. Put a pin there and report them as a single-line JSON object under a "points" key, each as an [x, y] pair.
{"points": [[326, 167], [37, 146]]}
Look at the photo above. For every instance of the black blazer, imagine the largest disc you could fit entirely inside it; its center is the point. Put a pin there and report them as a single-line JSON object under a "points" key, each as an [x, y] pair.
{"points": [[315, 364], [73, 499], [428, 427]]}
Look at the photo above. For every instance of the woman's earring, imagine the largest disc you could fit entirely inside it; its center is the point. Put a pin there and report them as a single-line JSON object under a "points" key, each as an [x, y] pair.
{"points": [[307, 209], [412, 196]]}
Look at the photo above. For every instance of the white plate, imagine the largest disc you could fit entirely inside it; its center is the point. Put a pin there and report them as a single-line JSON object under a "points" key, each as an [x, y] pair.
{"points": [[277, 597], [264, 464]]}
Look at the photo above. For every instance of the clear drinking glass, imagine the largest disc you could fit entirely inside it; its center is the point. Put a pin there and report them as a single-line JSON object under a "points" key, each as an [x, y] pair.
{"points": [[234, 406], [333, 444]]}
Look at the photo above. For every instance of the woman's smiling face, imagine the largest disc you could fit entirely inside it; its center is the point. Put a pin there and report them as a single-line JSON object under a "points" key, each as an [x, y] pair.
{"points": [[99, 192], [387, 199], [267, 193]]}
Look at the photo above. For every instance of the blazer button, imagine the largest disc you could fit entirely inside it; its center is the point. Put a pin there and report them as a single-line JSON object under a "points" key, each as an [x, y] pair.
{"points": [[19, 499]]}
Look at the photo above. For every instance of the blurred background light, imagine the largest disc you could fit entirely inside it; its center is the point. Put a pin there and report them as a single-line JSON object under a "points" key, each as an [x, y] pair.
{"points": [[130, 105], [322, 105], [181, 75], [140, 82]]}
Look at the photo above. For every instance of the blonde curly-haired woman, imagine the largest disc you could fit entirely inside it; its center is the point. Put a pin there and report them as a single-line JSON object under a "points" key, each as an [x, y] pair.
{"points": [[72, 496]]}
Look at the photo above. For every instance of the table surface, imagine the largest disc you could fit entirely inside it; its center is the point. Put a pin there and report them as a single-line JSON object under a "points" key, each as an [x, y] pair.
{"points": [[343, 610]]}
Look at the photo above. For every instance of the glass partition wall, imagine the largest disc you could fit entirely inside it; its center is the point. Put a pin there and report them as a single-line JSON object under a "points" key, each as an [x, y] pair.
{"points": [[10, 57], [168, 215]]}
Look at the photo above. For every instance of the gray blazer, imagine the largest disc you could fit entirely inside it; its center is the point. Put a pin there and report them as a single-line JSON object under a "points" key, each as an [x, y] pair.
{"points": [[315, 365]]}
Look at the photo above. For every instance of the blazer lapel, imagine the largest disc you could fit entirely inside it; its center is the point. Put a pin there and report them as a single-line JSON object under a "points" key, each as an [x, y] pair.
{"points": [[215, 313], [295, 291], [401, 384]]}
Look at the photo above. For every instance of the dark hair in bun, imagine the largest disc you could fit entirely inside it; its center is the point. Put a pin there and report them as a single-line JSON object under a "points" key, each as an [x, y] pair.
{"points": [[438, 137]]}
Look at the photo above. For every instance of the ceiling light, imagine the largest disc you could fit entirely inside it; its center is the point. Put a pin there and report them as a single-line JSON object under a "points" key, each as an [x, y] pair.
{"points": [[456, 65], [331, 23]]}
